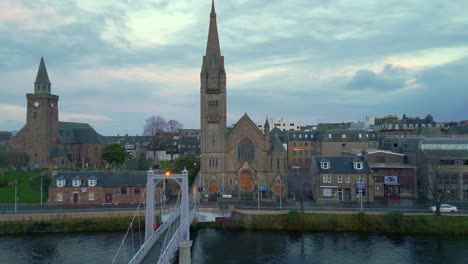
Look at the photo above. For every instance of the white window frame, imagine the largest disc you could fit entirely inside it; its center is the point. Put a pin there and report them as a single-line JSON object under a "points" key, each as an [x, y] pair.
{"points": [[347, 179], [61, 183], [326, 178], [340, 179], [76, 182], [325, 165], [59, 197], [92, 182], [358, 165], [361, 179], [91, 196]]}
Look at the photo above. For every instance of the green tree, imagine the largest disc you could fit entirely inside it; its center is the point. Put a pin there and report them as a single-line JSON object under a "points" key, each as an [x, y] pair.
{"points": [[190, 162], [114, 154]]}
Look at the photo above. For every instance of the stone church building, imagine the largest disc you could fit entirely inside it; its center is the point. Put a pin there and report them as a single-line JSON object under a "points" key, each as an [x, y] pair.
{"points": [[48, 142], [241, 161]]}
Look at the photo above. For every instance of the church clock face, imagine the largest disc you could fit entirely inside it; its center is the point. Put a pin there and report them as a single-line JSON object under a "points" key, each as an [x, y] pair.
{"points": [[36, 104]]}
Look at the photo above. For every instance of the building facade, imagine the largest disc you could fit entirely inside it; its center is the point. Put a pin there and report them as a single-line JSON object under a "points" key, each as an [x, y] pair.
{"points": [[392, 177], [304, 145], [341, 179], [99, 187], [4, 139], [442, 163]]}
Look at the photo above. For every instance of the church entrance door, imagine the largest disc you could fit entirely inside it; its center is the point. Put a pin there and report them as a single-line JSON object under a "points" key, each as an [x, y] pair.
{"points": [[213, 188], [246, 182], [278, 188]]}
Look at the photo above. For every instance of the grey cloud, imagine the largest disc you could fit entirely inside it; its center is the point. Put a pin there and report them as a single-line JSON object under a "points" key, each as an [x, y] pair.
{"points": [[391, 78]]}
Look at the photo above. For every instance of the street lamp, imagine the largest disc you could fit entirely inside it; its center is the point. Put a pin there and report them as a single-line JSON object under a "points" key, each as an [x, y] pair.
{"points": [[360, 191], [16, 193], [258, 193], [281, 192]]}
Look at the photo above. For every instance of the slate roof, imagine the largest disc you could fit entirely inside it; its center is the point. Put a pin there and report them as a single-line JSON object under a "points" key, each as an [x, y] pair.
{"points": [[282, 135], [351, 135], [302, 136], [42, 77], [79, 133], [58, 152], [104, 178], [445, 154], [343, 165], [444, 140], [276, 145], [358, 152]]}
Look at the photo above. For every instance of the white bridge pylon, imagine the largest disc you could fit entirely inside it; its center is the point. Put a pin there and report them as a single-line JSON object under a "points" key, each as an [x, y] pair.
{"points": [[152, 181], [179, 221]]}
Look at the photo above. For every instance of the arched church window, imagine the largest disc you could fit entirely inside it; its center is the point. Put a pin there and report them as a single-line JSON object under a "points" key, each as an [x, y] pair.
{"points": [[245, 150]]}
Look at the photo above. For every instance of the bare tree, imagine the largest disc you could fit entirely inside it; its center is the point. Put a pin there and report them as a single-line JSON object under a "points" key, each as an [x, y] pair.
{"points": [[441, 186], [173, 129], [18, 160], [155, 128], [300, 186]]}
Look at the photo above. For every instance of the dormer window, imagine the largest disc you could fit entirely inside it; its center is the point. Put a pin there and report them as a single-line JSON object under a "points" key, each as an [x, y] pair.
{"points": [[76, 182], [92, 181], [358, 165], [61, 182], [325, 165]]}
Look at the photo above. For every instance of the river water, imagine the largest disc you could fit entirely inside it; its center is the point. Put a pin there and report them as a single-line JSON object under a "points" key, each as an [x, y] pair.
{"points": [[220, 246]]}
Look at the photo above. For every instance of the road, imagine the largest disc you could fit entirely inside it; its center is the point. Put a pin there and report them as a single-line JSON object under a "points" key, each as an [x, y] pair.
{"points": [[403, 205]]}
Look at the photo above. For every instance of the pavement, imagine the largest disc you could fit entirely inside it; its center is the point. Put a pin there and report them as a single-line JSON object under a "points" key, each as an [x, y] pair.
{"points": [[383, 205]]}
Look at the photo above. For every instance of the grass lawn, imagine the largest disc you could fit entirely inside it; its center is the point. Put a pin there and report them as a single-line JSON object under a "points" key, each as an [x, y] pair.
{"points": [[29, 185]]}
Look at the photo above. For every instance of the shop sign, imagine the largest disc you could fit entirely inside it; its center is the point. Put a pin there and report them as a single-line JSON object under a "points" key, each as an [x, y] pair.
{"points": [[391, 179], [360, 186]]}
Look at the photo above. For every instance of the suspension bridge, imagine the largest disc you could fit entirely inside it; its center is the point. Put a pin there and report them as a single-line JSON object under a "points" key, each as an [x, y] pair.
{"points": [[160, 243]]}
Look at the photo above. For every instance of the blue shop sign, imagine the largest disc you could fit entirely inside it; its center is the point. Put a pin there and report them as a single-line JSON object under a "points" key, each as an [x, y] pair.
{"points": [[360, 186], [263, 188]]}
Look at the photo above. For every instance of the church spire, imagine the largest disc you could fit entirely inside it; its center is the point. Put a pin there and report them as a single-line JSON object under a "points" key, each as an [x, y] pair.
{"points": [[212, 47], [42, 77], [42, 83]]}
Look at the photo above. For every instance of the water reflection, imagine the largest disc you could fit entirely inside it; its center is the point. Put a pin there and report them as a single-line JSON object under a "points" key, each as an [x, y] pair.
{"points": [[214, 246], [220, 246]]}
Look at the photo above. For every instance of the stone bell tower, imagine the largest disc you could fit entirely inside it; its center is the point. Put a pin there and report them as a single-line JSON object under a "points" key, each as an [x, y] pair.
{"points": [[213, 112], [40, 134]]}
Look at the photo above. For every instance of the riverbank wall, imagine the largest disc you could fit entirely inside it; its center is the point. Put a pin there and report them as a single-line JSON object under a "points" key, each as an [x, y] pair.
{"points": [[69, 222], [393, 222]]}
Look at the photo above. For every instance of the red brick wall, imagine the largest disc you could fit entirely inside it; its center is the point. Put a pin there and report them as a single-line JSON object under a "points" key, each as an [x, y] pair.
{"points": [[99, 195]]}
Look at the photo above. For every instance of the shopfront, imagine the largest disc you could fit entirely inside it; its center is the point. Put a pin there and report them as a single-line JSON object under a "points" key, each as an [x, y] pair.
{"points": [[360, 190], [392, 188]]}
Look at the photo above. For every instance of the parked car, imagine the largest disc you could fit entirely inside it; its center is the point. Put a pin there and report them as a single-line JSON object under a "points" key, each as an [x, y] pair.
{"points": [[445, 208]]}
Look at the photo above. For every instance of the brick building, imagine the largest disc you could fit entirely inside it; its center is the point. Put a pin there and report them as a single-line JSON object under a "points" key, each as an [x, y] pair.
{"points": [[392, 177], [99, 187]]}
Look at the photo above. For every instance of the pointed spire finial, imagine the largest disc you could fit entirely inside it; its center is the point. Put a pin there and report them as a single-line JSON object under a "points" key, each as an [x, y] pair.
{"points": [[213, 47], [42, 77]]}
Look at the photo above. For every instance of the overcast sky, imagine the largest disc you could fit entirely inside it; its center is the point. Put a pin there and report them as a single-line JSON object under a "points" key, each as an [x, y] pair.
{"points": [[115, 63]]}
